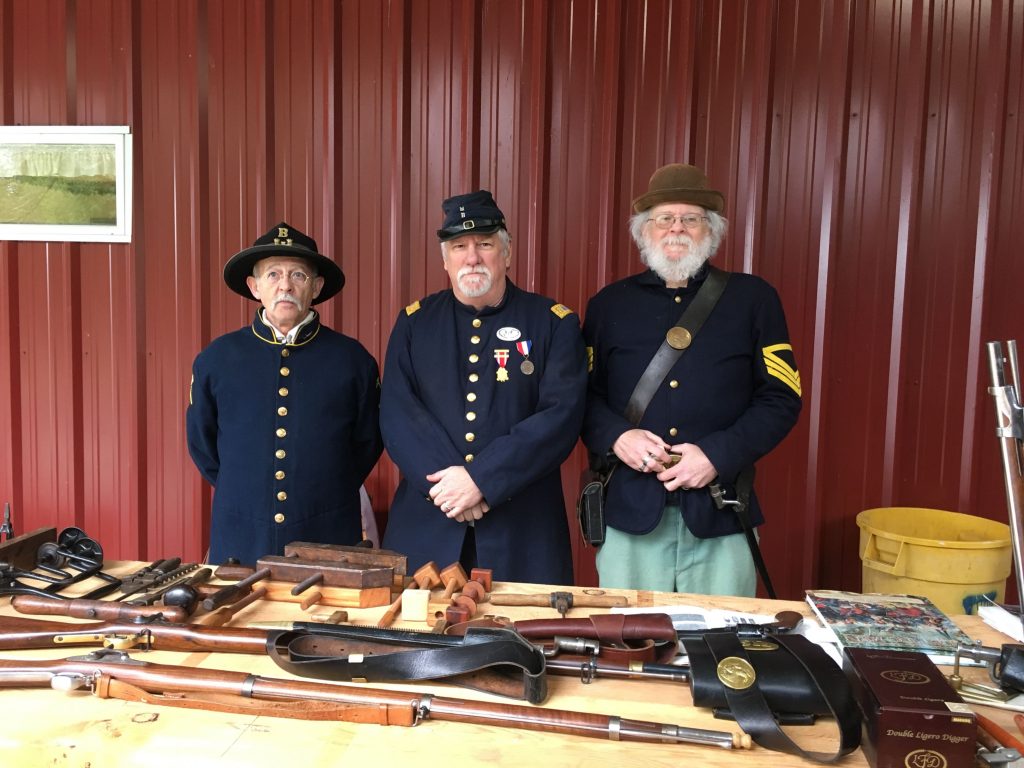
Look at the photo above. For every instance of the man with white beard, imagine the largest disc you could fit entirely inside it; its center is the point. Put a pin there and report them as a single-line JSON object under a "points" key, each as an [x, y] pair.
{"points": [[282, 414], [481, 402], [726, 401]]}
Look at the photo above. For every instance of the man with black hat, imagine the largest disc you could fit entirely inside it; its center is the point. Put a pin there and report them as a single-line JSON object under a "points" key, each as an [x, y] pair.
{"points": [[682, 409], [282, 415], [482, 401]]}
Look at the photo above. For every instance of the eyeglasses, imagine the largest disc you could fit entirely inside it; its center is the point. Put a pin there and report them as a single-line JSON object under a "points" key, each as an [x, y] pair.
{"points": [[688, 220], [296, 276]]}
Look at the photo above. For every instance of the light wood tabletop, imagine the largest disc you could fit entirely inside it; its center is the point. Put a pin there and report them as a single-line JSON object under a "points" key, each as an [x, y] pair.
{"points": [[57, 729]]}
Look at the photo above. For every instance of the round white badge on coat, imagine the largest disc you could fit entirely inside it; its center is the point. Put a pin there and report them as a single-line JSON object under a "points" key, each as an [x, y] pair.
{"points": [[508, 333]]}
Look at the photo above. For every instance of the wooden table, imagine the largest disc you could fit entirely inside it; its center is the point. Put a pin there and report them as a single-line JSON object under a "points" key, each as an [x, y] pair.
{"points": [[54, 729]]}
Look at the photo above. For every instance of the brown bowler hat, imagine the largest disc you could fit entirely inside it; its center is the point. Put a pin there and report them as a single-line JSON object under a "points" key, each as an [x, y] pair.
{"points": [[678, 183]]}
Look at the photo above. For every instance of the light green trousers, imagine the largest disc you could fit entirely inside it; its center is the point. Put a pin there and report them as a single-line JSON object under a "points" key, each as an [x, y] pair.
{"points": [[671, 559]]}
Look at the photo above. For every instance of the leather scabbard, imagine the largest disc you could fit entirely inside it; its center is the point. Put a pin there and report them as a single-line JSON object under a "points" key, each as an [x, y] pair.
{"points": [[624, 638]]}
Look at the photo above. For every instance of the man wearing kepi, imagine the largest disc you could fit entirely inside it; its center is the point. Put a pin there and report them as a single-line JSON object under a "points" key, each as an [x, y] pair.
{"points": [[282, 415], [715, 408], [481, 402]]}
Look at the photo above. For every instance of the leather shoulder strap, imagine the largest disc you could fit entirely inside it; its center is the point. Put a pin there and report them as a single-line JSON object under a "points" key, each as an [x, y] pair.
{"points": [[691, 321], [747, 703]]}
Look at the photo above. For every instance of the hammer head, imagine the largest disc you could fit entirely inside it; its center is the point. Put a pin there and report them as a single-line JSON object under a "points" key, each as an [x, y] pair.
{"points": [[561, 602]]}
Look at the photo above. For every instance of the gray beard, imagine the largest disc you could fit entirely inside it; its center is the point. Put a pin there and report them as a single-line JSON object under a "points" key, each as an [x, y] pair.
{"points": [[676, 270]]}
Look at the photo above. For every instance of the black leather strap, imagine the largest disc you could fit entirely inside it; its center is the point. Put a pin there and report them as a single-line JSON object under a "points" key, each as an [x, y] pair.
{"points": [[748, 706], [371, 654], [692, 319], [744, 486]]}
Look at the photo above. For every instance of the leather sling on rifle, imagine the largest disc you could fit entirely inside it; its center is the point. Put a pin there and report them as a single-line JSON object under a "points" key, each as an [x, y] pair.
{"points": [[498, 661]]}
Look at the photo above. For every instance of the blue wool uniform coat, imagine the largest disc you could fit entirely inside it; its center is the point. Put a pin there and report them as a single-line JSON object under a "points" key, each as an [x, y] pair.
{"points": [[286, 434], [735, 392], [442, 404]]}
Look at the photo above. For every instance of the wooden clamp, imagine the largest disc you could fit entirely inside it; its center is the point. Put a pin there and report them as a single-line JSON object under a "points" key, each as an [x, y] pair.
{"points": [[338, 553], [334, 573]]}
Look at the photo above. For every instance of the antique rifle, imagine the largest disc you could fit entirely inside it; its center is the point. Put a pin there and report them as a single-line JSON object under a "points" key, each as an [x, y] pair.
{"points": [[115, 674]]}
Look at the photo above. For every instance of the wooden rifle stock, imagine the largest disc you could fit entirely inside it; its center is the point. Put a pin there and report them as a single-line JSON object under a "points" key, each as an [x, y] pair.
{"points": [[99, 670], [150, 633]]}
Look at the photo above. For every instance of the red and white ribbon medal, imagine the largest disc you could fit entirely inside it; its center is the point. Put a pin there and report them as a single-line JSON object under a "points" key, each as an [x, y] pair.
{"points": [[501, 355]]}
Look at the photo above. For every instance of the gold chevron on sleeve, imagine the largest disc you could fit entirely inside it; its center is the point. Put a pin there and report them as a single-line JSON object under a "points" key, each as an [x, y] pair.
{"points": [[780, 369]]}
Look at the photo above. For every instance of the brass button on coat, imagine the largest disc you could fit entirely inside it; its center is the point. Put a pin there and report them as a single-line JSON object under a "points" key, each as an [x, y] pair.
{"points": [[283, 391], [474, 358], [282, 411], [470, 437], [475, 339], [279, 475], [469, 457], [281, 432], [278, 518], [474, 377], [470, 416], [282, 496], [285, 352], [673, 383], [279, 453], [477, 322], [471, 396], [284, 371], [673, 432]]}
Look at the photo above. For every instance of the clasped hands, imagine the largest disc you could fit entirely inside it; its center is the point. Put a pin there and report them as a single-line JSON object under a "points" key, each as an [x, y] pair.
{"points": [[454, 493], [645, 452]]}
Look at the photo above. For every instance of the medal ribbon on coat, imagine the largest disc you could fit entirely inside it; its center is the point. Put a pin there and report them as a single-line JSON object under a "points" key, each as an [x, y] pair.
{"points": [[501, 355], [524, 349]]}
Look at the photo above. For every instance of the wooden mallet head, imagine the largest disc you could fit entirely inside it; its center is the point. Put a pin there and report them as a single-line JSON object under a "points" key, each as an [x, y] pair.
{"points": [[453, 577], [426, 577]]}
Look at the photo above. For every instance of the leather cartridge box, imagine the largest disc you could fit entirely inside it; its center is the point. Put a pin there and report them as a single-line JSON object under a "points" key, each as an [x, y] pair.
{"points": [[912, 716]]}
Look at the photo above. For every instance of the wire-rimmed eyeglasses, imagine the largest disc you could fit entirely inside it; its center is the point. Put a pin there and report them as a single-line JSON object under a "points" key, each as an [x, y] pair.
{"points": [[297, 276], [688, 220]]}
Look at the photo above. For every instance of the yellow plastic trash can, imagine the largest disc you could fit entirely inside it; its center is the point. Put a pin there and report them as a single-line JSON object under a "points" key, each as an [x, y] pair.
{"points": [[956, 560]]}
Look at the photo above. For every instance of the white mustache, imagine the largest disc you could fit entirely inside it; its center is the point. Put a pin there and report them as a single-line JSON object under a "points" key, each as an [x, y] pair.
{"points": [[677, 240], [479, 269], [287, 297]]}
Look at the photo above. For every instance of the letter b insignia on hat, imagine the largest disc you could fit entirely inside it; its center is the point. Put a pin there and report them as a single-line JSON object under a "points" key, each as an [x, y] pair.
{"points": [[282, 237]]}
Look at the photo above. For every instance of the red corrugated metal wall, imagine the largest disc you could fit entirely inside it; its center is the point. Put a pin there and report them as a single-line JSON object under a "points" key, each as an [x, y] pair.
{"points": [[872, 154]]}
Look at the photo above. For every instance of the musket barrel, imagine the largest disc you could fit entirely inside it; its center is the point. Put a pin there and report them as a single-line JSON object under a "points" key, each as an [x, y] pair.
{"points": [[160, 678]]}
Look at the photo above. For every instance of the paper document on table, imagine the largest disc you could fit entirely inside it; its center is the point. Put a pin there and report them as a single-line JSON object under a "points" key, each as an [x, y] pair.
{"points": [[1002, 620], [691, 618]]}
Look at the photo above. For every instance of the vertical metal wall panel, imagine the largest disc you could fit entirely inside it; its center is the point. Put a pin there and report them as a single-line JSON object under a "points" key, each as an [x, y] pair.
{"points": [[870, 153]]}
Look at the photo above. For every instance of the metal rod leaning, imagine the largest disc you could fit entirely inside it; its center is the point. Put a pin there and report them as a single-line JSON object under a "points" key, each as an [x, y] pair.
{"points": [[1010, 431]]}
